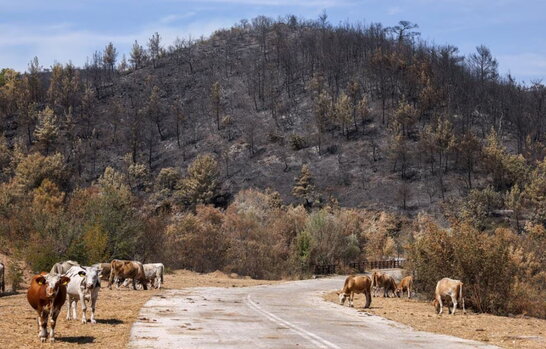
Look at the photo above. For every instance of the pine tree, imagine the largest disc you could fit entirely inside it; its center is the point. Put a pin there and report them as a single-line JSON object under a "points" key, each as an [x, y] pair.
{"points": [[201, 185], [47, 130], [154, 48], [109, 57], [304, 187], [137, 56], [343, 112]]}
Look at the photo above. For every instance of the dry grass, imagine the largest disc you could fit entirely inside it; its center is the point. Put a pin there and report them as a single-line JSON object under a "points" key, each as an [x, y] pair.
{"points": [[507, 332], [116, 311]]}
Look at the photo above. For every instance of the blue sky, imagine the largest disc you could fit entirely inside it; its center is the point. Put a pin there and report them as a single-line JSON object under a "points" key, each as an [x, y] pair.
{"points": [[63, 30]]}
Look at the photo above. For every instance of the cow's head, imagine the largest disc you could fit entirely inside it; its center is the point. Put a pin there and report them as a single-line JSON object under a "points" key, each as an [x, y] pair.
{"points": [[342, 297], [92, 278], [52, 283]]}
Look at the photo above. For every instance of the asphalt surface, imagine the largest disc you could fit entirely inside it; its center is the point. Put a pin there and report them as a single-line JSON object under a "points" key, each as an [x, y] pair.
{"points": [[288, 315]]}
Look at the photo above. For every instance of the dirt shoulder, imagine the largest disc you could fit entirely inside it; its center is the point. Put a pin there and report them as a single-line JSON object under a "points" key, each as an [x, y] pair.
{"points": [[518, 332], [116, 312]]}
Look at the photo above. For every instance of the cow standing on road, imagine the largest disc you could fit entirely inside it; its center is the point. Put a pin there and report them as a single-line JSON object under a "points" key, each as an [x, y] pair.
{"points": [[46, 295], [356, 284]]}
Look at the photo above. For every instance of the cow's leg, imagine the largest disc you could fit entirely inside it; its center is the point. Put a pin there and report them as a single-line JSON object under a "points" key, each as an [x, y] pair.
{"points": [[75, 308], [42, 323], [439, 300], [84, 308], [409, 292], [351, 299], [93, 302], [454, 300], [69, 301], [368, 299], [54, 314], [158, 281]]}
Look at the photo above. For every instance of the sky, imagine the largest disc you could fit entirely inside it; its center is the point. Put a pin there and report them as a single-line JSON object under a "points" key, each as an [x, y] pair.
{"points": [[71, 30]]}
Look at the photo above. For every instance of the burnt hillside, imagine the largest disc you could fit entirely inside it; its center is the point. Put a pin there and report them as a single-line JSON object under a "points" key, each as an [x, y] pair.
{"points": [[383, 119]]}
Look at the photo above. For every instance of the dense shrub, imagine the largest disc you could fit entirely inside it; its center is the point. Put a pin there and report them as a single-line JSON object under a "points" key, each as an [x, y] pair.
{"points": [[493, 267]]}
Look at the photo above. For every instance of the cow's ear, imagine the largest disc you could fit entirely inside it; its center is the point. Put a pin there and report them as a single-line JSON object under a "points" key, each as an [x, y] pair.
{"points": [[65, 280], [40, 280]]}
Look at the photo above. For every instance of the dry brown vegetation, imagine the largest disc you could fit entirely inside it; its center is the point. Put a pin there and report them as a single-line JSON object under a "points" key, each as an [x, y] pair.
{"points": [[506, 332], [116, 312]]}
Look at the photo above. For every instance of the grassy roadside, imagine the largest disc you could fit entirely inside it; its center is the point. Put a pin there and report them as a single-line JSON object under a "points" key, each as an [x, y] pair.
{"points": [[506, 332], [116, 312]]}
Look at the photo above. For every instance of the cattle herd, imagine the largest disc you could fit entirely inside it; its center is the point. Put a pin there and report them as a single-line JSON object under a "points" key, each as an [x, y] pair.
{"points": [[69, 282], [445, 288]]}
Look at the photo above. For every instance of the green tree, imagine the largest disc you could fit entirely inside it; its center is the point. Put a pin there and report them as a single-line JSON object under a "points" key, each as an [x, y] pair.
{"points": [[201, 184]]}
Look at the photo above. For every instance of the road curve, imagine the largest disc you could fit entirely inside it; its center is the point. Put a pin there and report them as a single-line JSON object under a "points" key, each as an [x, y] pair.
{"points": [[288, 315]]}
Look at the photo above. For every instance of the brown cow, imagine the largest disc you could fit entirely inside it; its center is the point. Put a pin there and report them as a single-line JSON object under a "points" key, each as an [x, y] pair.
{"points": [[47, 294], [123, 269], [448, 287], [406, 284], [384, 281], [356, 284]]}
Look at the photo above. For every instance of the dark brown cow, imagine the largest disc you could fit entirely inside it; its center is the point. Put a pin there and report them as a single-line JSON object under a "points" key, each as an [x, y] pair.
{"points": [[123, 269], [406, 284], [384, 281], [356, 284], [46, 295]]}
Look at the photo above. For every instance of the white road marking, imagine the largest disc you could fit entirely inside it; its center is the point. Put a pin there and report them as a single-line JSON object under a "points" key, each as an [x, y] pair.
{"points": [[313, 338]]}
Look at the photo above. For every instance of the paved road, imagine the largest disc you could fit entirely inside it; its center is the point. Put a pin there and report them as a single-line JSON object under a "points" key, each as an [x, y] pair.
{"points": [[288, 315]]}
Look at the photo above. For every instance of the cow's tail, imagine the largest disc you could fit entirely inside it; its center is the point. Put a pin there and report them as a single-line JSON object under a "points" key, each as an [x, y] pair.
{"points": [[162, 271]]}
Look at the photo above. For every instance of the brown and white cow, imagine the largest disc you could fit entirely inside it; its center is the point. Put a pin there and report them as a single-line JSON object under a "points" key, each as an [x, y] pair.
{"points": [[406, 284], [448, 287], [123, 269], [384, 281], [47, 294], [356, 284]]}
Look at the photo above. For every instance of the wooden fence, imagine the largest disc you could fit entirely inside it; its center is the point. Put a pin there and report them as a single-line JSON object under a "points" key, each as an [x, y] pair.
{"points": [[360, 267]]}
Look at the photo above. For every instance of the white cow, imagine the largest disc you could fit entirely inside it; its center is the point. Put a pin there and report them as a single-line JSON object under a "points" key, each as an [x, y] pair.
{"points": [[154, 273], [448, 288], [84, 286]]}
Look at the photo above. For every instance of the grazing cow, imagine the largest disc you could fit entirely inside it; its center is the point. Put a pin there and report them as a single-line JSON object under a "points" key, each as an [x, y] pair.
{"points": [[356, 284], [448, 287], [384, 281], [376, 275], [406, 284], [123, 269], [84, 285], [104, 270], [47, 294], [62, 267], [2, 279], [154, 273]]}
